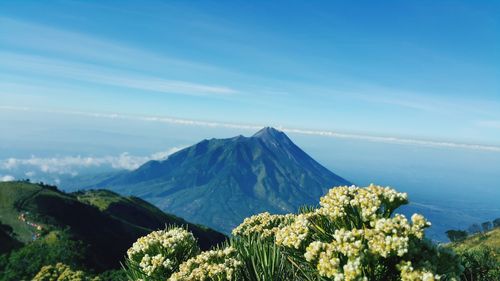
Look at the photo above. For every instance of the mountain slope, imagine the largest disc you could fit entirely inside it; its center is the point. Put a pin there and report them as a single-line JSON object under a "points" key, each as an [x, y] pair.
{"points": [[489, 239], [218, 182], [106, 222]]}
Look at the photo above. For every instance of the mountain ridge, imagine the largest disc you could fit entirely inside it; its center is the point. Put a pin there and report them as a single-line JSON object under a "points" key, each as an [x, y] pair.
{"points": [[218, 182]]}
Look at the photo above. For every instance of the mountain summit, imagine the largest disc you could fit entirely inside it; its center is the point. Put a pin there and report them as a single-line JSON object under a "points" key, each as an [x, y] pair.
{"points": [[271, 134], [218, 182]]}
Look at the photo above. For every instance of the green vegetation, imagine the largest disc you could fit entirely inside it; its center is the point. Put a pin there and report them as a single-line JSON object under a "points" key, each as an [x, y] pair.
{"points": [[479, 254], [135, 211], [353, 236], [88, 231], [24, 263], [490, 239], [456, 235], [62, 272]]}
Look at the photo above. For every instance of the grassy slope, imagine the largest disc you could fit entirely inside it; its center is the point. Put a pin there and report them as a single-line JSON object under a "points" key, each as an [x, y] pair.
{"points": [[135, 211], [13, 198], [106, 221], [490, 239]]}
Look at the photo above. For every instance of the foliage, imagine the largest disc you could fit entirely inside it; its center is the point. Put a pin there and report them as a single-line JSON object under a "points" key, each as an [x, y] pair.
{"points": [[353, 236], [456, 235], [62, 272], [213, 265], [473, 229], [480, 264], [160, 253], [91, 229], [113, 275], [265, 224], [487, 226], [24, 263], [262, 259], [496, 222], [490, 239], [7, 240]]}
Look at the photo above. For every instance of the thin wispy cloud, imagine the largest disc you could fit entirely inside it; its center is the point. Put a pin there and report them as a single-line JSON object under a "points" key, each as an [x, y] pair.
{"points": [[88, 59], [325, 133], [69, 63], [106, 76], [79, 46]]}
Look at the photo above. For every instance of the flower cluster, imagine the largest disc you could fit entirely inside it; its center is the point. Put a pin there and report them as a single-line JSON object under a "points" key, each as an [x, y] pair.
{"points": [[334, 203], [352, 225], [294, 234], [326, 256], [388, 195], [160, 253], [419, 223], [408, 273], [210, 265], [61, 272], [348, 242], [389, 236], [265, 225]]}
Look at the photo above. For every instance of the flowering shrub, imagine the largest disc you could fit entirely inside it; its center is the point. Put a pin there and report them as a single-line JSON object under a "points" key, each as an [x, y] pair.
{"points": [[159, 254], [265, 225], [61, 272], [354, 235], [210, 265]]}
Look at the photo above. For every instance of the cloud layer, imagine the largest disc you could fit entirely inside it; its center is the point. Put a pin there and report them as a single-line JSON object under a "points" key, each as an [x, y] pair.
{"points": [[6, 178], [325, 133], [71, 165]]}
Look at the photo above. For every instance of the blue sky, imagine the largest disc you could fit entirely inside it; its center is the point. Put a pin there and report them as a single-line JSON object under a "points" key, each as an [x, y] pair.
{"points": [[400, 93], [418, 70]]}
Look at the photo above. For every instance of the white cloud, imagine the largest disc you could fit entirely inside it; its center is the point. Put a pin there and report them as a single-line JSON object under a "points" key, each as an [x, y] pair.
{"points": [[396, 140], [71, 165], [6, 178], [325, 133]]}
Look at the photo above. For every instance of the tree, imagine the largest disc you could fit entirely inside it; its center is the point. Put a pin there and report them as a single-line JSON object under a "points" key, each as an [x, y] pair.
{"points": [[487, 226], [456, 235], [496, 222], [24, 263], [473, 229]]}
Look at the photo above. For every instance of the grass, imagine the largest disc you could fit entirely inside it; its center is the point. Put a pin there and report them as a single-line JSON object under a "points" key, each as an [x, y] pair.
{"points": [[107, 222], [14, 198], [474, 242]]}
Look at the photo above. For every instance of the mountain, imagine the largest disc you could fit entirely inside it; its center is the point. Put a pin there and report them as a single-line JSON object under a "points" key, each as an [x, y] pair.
{"points": [[219, 182], [101, 220]]}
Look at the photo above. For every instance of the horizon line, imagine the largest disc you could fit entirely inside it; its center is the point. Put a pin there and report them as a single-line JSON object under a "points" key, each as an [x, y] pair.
{"points": [[216, 124]]}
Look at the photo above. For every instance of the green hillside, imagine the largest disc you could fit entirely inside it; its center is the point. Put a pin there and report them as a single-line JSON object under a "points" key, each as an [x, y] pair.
{"points": [[478, 241], [135, 211], [105, 223], [479, 255]]}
